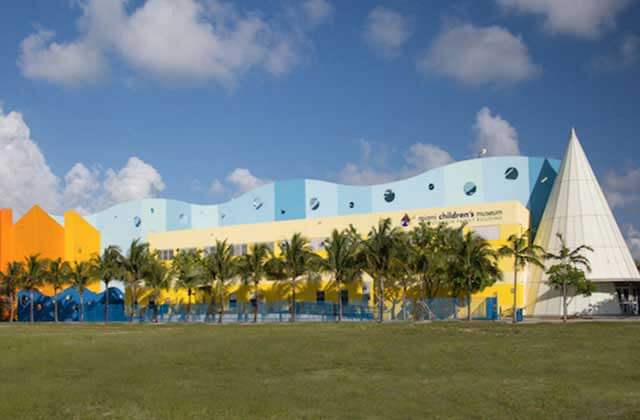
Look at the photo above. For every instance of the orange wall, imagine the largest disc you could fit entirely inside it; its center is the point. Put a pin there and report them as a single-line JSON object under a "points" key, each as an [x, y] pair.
{"points": [[6, 245], [38, 233]]}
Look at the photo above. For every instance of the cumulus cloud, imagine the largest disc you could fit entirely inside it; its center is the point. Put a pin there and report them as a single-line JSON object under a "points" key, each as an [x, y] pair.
{"points": [[237, 182], [622, 189], [584, 18], [386, 31], [170, 39], [216, 187], [494, 134], [479, 55], [72, 63], [26, 179], [419, 157]]}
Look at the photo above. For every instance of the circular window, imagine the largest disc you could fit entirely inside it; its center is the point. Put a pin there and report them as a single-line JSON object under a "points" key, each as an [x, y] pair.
{"points": [[257, 203], [389, 196], [470, 188], [511, 173], [351, 204], [152, 210], [432, 187], [314, 203], [222, 216], [137, 221], [282, 211]]}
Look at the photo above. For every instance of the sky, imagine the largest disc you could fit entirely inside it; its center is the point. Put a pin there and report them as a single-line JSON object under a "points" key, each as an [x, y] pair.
{"points": [[104, 101]]}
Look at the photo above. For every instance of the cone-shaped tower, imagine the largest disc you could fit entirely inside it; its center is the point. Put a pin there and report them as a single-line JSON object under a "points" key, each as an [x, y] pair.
{"points": [[577, 209]]}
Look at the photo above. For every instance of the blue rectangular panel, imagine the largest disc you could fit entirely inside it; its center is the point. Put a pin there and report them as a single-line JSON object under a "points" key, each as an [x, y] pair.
{"points": [[290, 197]]}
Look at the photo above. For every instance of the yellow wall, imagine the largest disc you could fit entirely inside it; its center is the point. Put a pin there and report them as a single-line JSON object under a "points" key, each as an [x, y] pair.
{"points": [[510, 217], [81, 239]]}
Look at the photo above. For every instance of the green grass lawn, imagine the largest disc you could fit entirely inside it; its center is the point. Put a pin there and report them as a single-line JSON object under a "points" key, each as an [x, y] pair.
{"points": [[443, 370]]}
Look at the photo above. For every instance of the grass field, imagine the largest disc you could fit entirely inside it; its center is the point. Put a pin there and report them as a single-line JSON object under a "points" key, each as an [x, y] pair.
{"points": [[445, 370]]}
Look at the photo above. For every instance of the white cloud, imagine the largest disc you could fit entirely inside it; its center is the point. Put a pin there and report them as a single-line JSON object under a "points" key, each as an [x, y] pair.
{"points": [[582, 18], [26, 179], [243, 180], [627, 55], [386, 31], [216, 187], [419, 158], [622, 190], [494, 134], [171, 39], [72, 63], [475, 56], [633, 240], [318, 11], [135, 180]]}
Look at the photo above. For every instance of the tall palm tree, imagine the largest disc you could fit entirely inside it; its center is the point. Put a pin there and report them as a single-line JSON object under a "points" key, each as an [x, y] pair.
{"points": [[135, 265], [108, 267], [221, 266], [569, 261], [34, 275], [158, 277], [403, 268], [57, 275], [253, 267], [475, 268], [377, 251], [80, 278], [295, 262], [523, 251], [11, 279], [342, 261], [189, 272]]}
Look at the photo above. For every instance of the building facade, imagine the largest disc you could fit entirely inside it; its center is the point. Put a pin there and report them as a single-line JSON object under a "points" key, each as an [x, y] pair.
{"points": [[494, 196]]}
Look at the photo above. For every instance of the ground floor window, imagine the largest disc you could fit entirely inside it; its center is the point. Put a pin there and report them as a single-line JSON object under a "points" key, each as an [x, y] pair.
{"points": [[629, 298], [320, 296]]}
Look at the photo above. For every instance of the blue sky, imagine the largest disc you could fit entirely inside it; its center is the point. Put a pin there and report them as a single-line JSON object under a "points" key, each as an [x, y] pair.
{"points": [[200, 100]]}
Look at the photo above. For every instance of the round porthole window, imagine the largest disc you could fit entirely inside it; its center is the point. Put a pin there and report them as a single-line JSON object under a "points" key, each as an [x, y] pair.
{"points": [[152, 210], [389, 196], [137, 221], [282, 211], [511, 174], [470, 188], [432, 187], [314, 203], [257, 203], [351, 204]]}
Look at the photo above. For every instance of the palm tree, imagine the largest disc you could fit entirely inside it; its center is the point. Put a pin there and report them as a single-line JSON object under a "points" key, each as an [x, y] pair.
{"points": [[342, 261], [566, 272], [11, 279], [377, 251], [57, 275], [523, 252], [252, 267], [35, 270], [158, 277], [81, 276], [475, 268], [222, 266], [108, 267], [189, 272], [135, 265], [295, 262], [403, 268]]}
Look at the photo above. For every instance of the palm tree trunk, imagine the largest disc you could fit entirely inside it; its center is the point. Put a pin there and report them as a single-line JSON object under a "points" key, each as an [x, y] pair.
{"points": [[255, 308], [81, 306], [221, 297], [515, 292], [31, 305], [188, 316], [564, 301], [469, 299], [134, 302], [12, 311], [106, 302], [381, 299], [404, 302], [293, 301], [339, 303], [55, 305]]}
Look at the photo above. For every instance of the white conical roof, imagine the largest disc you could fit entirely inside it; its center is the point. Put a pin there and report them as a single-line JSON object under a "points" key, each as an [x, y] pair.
{"points": [[577, 208]]}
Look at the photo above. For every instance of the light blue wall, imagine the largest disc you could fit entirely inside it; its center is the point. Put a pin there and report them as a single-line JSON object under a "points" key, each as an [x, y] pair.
{"points": [[117, 224]]}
